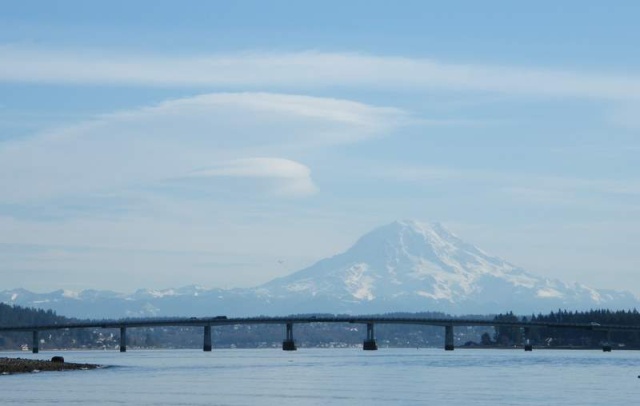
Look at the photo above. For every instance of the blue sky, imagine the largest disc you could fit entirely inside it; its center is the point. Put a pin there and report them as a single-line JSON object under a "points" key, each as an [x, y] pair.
{"points": [[159, 144]]}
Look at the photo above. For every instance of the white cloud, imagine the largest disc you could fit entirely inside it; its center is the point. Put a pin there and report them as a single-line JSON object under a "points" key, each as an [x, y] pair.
{"points": [[291, 178], [304, 69], [176, 138]]}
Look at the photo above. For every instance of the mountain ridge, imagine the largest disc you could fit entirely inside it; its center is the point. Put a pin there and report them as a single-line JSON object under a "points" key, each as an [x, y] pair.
{"points": [[402, 266]]}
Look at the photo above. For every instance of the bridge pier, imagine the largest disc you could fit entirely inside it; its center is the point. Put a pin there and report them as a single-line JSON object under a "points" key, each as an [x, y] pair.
{"points": [[123, 339], [606, 346], [35, 348], [206, 346], [370, 342], [289, 344], [448, 338], [527, 342]]}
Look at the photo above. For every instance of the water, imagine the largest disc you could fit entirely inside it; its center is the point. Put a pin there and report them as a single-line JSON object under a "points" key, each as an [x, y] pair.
{"points": [[333, 377]]}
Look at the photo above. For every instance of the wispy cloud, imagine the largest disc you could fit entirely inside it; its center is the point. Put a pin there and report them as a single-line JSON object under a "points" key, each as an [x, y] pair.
{"points": [[289, 178], [522, 186], [305, 69], [627, 116], [221, 133]]}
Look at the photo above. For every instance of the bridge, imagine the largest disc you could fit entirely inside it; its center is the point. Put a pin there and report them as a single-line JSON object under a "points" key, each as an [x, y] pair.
{"points": [[288, 343]]}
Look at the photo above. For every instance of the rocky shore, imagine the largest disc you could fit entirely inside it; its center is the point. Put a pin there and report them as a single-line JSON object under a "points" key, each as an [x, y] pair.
{"points": [[21, 365]]}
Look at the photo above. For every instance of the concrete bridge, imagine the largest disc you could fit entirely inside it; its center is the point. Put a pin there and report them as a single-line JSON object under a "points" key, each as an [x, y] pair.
{"points": [[288, 343]]}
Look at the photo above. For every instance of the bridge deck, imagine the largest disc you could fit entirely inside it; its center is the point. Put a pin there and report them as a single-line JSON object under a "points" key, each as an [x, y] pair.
{"points": [[222, 321]]}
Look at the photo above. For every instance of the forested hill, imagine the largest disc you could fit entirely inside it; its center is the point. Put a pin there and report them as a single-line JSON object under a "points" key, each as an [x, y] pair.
{"points": [[18, 316], [21, 316], [555, 337]]}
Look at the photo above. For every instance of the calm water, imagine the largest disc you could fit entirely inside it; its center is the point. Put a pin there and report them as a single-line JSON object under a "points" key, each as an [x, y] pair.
{"points": [[333, 376]]}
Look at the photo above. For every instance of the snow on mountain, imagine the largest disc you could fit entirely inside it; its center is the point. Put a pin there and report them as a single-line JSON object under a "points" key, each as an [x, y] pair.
{"points": [[412, 266], [402, 266], [191, 290]]}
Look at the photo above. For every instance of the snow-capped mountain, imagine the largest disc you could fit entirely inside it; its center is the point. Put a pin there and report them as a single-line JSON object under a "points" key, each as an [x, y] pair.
{"points": [[402, 266], [412, 266]]}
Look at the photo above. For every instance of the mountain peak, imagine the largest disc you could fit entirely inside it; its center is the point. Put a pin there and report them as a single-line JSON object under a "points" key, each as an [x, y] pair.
{"points": [[403, 258], [406, 265], [411, 237], [416, 226], [418, 265]]}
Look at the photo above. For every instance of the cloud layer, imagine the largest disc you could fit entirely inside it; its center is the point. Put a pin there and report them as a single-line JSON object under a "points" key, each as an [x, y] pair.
{"points": [[255, 136], [304, 69], [284, 177]]}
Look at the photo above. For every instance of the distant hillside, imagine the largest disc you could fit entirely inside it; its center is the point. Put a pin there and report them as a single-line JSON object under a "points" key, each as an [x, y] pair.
{"points": [[20, 316], [17, 315]]}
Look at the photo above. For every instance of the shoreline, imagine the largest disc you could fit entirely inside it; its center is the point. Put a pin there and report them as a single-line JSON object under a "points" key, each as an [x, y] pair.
{"points": [[9, 366]]}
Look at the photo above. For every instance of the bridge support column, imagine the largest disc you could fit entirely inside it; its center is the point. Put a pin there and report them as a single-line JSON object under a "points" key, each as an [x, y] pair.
{"points": [[35, 348], [370, 342], [206, 346], [527, 341], [606, 346], [288, 344], [123, 339], [448, 338]]}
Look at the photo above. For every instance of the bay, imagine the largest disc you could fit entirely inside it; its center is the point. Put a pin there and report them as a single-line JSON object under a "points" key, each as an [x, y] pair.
{"points": [[332, 376]]}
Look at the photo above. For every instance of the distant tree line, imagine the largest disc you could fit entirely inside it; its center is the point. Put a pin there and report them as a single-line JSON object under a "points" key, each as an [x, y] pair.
{"points": [[570, 338], [324, 334], [20, 316]]}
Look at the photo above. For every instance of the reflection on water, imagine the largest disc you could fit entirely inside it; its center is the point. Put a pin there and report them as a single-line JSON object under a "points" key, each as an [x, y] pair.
{"points": [[333, 376]]}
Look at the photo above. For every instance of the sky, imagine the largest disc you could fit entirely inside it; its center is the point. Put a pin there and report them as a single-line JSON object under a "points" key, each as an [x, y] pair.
{"points": [[157, 144]]}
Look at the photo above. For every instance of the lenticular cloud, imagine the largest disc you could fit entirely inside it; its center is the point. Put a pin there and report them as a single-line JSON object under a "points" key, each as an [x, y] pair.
{"points": [[214, 135]]}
